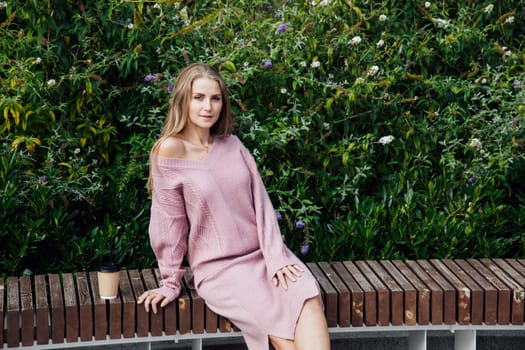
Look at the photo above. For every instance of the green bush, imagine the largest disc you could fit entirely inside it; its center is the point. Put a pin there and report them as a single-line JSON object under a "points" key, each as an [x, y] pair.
{"points": [[383, 129]]}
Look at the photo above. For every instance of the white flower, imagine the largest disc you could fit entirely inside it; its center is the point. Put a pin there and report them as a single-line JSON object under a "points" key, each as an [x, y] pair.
{"points": [[382, 18], [488, 8], [509, 19], [77, 150], [51, 82], [442, 23], [427, 4], [380, 43], [283, 91], [130, 26], [355, 40], [315, 64], [37, 60], [385, 140], [373, 70], [303, 64], [3, 5], [475, 143], [156, 6], [320, 3]]}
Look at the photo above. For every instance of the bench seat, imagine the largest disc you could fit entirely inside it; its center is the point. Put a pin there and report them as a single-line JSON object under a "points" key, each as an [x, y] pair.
{"points": [[417, 296]]}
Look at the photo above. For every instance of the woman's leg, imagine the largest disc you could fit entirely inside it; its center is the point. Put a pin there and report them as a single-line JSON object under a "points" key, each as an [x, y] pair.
{"points": [[282, 344], [311, 332]]}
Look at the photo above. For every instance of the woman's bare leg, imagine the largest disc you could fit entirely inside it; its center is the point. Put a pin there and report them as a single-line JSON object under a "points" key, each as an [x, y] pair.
{"points": [[282, 344], [311, 332]]}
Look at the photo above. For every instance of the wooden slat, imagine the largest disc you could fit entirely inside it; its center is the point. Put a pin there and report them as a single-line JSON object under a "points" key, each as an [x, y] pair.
{"points": [[212, 320], [184, 310], [128, 305], [26, 305], [13, 313], [197, 305], [155, 319], [476, 294], [409, 293], [225, 324], [115, 317], [514, 280], [142, 315], [422, 292], [170, 312], [519, 268], [383, 294], [42, 310], [2, 308], [395, 291], [355, 293], [85, 307], [99, 309], [70, 302], [329, 293], [343, 294], [462, 307], [436, 293], [504, 292], [57, 309], [449, 292], [370, 309], [489, 305]]}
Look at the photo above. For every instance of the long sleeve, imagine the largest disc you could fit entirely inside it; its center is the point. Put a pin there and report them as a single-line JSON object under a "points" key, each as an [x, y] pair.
{"points": [[275, 252], [168, 231]]}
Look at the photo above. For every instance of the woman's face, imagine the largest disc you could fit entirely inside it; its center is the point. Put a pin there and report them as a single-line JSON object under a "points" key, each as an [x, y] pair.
{"points": [[205, 104]]}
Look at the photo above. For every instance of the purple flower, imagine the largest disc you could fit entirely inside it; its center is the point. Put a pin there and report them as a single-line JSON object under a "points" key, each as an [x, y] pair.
{"points": [[267, 64], [305, 248], [471, 180], [299, 224], [517, 85], [170, 88], [42, 178], [281, 28], [278, 215], [149, 77]]}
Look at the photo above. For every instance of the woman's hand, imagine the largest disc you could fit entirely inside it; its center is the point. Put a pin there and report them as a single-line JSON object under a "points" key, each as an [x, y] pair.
{"points": [[152, 298], [291, 272]]}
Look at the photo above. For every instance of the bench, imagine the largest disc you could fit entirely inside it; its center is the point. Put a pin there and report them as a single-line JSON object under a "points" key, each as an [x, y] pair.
{"points": [[418, 296]]}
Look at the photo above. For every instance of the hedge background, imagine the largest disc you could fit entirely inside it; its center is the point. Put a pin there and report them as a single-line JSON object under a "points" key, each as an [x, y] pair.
{"points": [[383, 129]]}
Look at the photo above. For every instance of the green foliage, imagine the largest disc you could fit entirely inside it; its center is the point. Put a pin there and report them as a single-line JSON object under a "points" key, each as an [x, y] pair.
{"points": [[389, 129]]}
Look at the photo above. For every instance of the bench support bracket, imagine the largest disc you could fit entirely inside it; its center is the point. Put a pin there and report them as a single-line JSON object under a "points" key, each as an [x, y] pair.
{"points": [[417, 340], [465, 339], [196, 344]]}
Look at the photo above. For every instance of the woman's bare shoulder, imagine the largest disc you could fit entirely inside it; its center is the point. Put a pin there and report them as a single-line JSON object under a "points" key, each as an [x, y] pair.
{"points": [[172, 147]]}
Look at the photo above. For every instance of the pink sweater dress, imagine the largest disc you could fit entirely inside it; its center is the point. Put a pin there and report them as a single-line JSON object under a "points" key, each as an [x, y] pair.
{"points": [[218, 213]]}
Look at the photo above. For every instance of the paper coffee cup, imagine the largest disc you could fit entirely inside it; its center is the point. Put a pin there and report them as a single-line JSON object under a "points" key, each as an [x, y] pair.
{"points": [[108, 277]]}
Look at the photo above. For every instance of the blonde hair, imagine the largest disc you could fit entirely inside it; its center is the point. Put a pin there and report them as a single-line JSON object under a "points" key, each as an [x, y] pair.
{"points": [[177, 117]]}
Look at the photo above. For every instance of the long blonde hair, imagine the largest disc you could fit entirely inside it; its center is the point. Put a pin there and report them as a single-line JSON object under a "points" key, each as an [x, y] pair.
{"points": [[177, 117]]}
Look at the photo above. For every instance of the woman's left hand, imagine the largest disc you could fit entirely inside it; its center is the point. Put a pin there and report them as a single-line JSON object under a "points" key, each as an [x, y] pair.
{"points": [[291, 272]]}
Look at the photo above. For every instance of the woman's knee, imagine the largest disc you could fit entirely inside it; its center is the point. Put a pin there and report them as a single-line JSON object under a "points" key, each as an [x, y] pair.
{"points": [[314, 306], [281, 344]]}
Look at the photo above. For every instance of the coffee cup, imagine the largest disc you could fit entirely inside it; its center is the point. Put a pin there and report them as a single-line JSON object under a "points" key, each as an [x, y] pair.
{"points": [[108, 277]]}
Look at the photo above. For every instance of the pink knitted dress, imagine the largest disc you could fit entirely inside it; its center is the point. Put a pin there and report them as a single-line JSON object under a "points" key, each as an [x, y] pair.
{"points": [[217, 211]]}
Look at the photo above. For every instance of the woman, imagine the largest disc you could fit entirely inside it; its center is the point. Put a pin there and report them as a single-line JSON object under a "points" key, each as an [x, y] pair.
{"points": [[208, 201]]}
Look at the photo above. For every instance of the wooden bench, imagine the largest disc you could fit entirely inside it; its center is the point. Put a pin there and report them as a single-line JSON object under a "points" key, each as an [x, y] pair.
{"points": [[463, 296]]}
